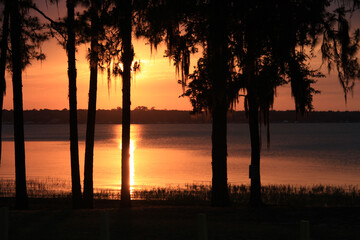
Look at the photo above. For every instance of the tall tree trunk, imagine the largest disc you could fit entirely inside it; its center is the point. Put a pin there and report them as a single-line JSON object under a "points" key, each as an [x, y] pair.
{"points": [[74, 149], [127, 58], [90, 128], [220, 195], [4, 47], [218, 73], [20, 175], [254, 170]]}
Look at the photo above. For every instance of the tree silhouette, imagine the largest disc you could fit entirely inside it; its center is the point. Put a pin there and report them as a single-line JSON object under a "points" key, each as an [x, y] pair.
{"points": [[74, 148], [263, 66], [127, 56], [4, 49], [266, 42], [67, 31], [269, 41], [90, 127], [217, 61], [111, 50], [270, 53], [184, 25], [20, 175], [25, 37], [103, 35], [102, 51]]}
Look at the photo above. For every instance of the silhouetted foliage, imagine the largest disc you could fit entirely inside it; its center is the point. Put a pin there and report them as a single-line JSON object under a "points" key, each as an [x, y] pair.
{"points": [[270, 43], [185, 25], [340, 48]]}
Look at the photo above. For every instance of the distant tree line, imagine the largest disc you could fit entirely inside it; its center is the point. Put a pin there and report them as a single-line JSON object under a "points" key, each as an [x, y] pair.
{"points": [[146, 116]]}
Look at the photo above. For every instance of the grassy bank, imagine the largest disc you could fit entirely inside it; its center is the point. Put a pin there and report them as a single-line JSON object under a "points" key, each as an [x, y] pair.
{"points": [[172, 213], [190, 194]]}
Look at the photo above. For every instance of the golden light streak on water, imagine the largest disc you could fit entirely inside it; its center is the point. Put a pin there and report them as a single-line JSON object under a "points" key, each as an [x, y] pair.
{"points": [[132, 163]]}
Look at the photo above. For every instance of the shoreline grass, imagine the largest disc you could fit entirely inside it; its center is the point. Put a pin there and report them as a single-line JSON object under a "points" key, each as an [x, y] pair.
{"points": [[172, 212], [277, 195]]}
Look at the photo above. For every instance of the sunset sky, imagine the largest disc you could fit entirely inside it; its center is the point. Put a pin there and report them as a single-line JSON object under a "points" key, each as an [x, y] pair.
{"points": [[45, 85]]}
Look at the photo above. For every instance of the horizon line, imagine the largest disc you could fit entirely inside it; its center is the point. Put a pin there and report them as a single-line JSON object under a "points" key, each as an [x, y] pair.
{"points": [[180, 110]]}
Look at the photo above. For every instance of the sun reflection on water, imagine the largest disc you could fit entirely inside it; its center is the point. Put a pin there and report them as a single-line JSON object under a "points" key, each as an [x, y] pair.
{"points": [[132, 168], [132, 164]]}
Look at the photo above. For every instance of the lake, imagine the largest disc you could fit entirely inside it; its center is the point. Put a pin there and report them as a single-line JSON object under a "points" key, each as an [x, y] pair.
{"points": [[177, 154]]}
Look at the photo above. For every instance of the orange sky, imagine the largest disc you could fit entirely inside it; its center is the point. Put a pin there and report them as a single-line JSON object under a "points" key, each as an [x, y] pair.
{"points": [[45, 85]]}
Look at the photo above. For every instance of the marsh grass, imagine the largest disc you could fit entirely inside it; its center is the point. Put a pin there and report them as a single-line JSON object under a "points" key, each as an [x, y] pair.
{"points": [[316, 195], [279, 195], [38, 188]]}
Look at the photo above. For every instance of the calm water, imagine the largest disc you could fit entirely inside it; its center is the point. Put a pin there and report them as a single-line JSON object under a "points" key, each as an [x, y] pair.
{"points": [[176, 154]]}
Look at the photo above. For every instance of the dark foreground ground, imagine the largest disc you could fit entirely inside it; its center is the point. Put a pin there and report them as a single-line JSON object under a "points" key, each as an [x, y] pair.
{"points": [[50, 219]]}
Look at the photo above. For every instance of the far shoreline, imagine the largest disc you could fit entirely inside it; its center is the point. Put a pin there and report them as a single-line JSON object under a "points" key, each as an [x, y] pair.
{"points": [[153, 116]]}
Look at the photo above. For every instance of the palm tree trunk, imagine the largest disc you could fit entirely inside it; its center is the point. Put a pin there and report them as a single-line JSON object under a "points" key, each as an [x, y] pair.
{"points": [[255, 188], [74, 149], [128, 55], [20, 174], [90, 127], [217, 55], [4, 46]]}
